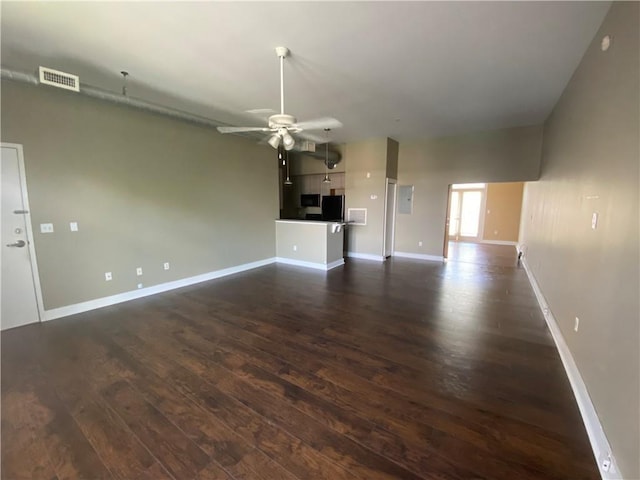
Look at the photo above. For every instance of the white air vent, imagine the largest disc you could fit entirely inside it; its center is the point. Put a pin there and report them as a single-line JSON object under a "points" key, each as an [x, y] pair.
{"points": [[357, 216], [59, 79]]}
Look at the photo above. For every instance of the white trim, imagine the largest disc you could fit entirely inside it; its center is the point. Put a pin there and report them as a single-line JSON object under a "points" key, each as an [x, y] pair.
{"points": [[419, 256], [335, 264], [388, 183], [145, 292], [499, 242], [317, 266], [599, 443], [309, 222], [27, 216], [365, 256]]}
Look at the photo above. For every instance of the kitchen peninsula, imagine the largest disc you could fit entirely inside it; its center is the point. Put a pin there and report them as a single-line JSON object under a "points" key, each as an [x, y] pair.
{"points": [[310, 243]]}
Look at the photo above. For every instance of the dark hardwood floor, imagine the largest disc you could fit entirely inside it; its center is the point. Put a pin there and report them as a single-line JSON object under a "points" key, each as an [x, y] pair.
{"points": [[401, 370]]}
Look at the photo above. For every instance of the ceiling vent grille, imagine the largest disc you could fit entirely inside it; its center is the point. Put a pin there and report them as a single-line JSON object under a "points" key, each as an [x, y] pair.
{"points": [[59, 79]]}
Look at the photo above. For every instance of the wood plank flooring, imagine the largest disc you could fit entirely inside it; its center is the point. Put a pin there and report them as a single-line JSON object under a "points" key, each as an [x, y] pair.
{"points": [[401, 370]]}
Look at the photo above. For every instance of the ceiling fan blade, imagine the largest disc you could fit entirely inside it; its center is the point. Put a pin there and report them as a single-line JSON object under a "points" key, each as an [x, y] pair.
{"points": [[311, 137], [319, 124], [261, 112], [242, 129]]}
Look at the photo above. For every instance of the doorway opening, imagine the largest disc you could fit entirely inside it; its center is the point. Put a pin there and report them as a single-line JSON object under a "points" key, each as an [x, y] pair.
{"points": [[465, 208], [482, 213]]}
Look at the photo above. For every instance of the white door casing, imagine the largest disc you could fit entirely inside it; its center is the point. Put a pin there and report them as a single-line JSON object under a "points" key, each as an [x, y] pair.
{"points": [[20, 295], [389, 217]]}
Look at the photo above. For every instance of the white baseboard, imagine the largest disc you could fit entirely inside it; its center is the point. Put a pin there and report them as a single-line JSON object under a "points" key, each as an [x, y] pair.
{"points": [[145, 292], [599, 443], [499, 242], [365, 256], [317, 266], [335, 264], [419, 256]]}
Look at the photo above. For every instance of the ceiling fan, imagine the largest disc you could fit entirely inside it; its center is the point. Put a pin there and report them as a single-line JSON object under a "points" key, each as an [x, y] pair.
{"points": [[281, 125]]}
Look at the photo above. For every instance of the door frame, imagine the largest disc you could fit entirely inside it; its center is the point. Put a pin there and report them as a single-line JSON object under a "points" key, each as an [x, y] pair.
{"points": [[30, 238], [447, 221], [389, 181]]}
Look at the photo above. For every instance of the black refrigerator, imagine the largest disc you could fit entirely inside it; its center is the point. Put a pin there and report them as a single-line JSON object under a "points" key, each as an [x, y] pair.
{"points": [[332, 208]]}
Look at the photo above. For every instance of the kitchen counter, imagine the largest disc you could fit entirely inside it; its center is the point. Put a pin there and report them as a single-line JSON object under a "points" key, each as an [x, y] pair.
{"points": [[310, 243]]}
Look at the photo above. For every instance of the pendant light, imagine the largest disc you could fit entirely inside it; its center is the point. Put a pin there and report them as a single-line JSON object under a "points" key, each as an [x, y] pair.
{"points": [[326, 159], [285, 154]]}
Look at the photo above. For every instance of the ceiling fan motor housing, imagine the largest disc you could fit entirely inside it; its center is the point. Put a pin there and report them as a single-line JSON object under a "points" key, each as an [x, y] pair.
{"points": [[281, 120]]}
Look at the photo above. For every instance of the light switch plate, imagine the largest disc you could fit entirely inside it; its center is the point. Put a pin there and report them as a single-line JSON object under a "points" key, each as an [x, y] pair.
{"points": [[46, 228], [139, 271], [73, 226]]}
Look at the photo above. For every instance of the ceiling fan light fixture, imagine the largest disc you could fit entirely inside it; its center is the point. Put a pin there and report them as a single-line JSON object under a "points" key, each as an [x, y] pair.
{"points": [[288, 141], [274, 140]]}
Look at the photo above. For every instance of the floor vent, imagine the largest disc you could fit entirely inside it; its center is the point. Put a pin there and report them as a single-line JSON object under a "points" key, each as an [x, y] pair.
{"points": [[59, 79]]}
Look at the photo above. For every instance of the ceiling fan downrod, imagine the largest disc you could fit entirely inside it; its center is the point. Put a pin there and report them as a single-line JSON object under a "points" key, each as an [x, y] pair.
{"points": [[282, 52]]}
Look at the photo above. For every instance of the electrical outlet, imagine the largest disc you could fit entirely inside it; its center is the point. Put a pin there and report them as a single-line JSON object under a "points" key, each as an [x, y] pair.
{"points": [[139, 285], [594, 220], [46, 228], [139, 271], [166, 265], [108, 277], [419, 244], [73, 226], [295, 248], [576, 325]]}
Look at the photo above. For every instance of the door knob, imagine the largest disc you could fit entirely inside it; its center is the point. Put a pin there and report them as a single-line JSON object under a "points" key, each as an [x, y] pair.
{"points": [[19, 244]]}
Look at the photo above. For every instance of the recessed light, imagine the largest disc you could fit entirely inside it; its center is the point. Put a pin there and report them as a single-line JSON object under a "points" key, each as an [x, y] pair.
{"points": [[606, 43]]}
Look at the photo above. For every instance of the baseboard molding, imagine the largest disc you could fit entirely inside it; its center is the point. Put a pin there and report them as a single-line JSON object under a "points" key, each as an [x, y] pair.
{"points": [[365, 256], [145, 292], [335, 264], [316, 266], [419, 256], [599, 443], [499, 242]]}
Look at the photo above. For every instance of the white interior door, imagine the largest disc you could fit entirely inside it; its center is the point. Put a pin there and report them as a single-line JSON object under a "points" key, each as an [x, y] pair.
{"points": [[389, 217], [18, 279]]}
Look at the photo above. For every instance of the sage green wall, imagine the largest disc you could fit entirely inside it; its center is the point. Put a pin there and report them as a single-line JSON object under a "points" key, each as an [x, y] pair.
{"points": [[431, 165], [144, 189], [365, 182], [590, 164]]}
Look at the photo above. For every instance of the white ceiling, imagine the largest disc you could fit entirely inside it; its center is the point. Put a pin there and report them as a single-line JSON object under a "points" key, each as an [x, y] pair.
{"points": [[398, 69]]}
